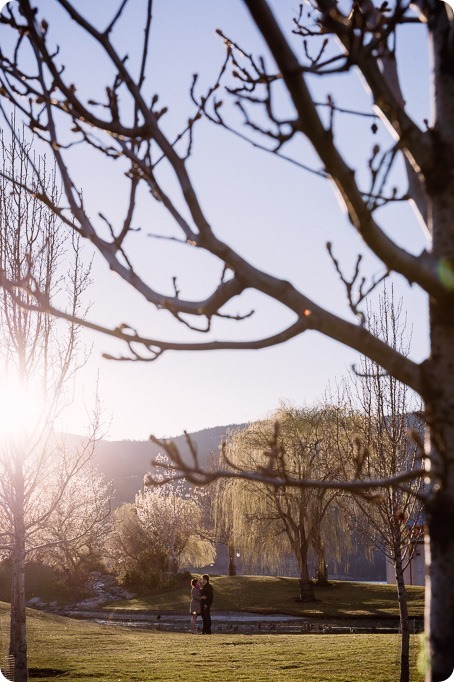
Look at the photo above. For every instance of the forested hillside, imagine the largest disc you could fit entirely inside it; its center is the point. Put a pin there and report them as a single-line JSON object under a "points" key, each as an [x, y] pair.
{"points": [[126, 462]]}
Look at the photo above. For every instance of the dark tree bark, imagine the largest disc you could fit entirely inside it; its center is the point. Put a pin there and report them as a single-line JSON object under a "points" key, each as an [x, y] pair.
{"points": [[404, 620], [232, 563], [18, 633], [306, 587], [322, 567]]}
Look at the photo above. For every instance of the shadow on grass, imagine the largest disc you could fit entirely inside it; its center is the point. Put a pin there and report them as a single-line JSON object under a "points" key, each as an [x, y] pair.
{"points": [[35, 673]]}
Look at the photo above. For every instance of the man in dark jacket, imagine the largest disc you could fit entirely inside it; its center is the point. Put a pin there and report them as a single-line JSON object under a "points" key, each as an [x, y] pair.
{"points": [[206, 594]]}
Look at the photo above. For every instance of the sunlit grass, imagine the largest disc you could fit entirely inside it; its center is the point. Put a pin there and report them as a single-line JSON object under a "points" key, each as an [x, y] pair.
{"points": [[72, 650], [266, 594]]}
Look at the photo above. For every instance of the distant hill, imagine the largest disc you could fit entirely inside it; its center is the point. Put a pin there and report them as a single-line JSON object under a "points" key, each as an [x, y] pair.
{"points": [[126, 462]]}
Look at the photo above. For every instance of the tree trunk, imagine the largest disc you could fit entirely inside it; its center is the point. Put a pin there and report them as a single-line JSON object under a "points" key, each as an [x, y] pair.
{"points": [[12, 627], [439, 376], [438, 372], [232, 564], [305, 586], [322, 568], [404, 621], [18, 636], [440, 586], [306, 590]]}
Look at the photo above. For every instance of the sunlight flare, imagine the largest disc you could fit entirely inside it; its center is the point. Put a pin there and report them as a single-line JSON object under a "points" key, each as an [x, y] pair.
{"points": [[20, 411]]}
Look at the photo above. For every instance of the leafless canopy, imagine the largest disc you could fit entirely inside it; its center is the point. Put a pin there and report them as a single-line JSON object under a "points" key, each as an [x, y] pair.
{"points": [[126, 124]]}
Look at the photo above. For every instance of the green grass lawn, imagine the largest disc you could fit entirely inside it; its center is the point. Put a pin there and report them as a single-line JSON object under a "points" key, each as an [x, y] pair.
{"points": [[263, 594], [72, 650], [66, 649]]}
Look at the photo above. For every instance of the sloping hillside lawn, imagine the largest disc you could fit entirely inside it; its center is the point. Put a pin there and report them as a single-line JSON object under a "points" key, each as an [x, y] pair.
{"points": [[262, 594]]}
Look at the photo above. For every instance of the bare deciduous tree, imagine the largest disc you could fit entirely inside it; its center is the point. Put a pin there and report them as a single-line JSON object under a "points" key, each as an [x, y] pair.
{"points": [[159, 534], [132, 554], [172, 515], [73, 537], [38, 363], [123, 121], [389, 441]]}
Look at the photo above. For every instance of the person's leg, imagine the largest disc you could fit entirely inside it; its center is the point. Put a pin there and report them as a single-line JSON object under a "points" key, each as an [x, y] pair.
{"points": [[208, 619], [204, 621]]}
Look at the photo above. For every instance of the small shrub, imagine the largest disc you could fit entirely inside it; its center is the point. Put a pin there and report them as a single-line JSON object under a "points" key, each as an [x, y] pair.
{"points": [[40, 581]]}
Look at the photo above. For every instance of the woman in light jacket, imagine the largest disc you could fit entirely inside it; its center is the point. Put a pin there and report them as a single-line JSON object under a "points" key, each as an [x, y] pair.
{"points": [[194, 608]]}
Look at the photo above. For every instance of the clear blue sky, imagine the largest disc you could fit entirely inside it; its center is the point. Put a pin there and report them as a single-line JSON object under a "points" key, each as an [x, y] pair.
{"points": [[275, 214]]}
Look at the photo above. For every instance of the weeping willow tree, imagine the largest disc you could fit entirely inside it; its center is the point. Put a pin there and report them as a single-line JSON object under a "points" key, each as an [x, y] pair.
{"points": [[269, 523], [222, 516]]}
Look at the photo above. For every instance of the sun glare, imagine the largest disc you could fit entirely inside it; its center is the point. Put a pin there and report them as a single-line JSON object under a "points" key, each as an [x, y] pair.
{"points": [[19, 411]]}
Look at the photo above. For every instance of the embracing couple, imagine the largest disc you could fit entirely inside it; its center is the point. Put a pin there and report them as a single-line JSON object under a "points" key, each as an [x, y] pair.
{"points": [[201, 600]]}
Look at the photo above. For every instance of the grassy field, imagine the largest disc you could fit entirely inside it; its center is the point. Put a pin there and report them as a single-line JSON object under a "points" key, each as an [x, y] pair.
{"points": [[69, 650], [262, 594]]}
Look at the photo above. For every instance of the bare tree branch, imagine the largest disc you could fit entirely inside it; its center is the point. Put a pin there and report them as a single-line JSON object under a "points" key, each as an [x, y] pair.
{"points": [[193, 472]]}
